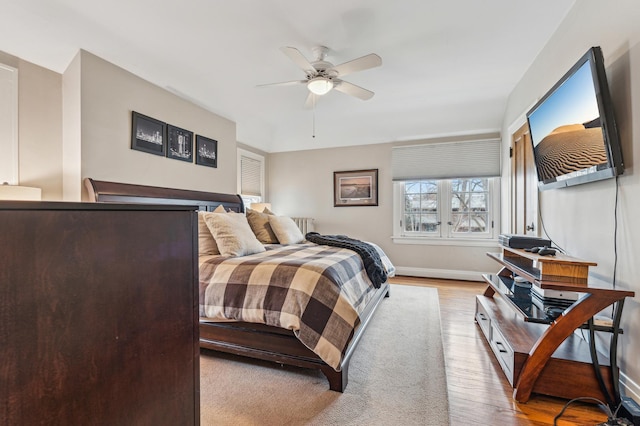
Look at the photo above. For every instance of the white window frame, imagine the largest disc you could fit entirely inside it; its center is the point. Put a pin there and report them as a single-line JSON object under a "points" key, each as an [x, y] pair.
{"points": [[445, 236], [9, 161], [439, 200], [248, 199]]}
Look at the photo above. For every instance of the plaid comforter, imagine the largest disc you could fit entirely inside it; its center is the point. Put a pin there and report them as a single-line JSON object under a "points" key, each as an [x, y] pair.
{"points": [[316, 291]]}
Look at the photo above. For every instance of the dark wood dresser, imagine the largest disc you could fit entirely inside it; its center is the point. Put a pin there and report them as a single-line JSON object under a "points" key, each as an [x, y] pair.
{"points": [[98, 314]]}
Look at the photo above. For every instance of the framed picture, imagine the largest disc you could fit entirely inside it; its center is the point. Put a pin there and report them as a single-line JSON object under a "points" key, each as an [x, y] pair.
{"points": [[179, 143], [148, 134], [355, 188], [206, 151]]}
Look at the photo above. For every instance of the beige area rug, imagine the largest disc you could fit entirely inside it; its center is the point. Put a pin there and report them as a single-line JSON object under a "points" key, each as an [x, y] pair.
{"points": [[396, 377]]}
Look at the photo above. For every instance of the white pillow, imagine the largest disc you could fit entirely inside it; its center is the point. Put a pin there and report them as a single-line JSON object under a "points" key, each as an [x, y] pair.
{"points": [[286, 230], [206, 243], [233, 234]]}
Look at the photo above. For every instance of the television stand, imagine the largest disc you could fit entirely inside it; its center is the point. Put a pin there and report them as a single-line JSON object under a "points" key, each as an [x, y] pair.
{"points": [[539, 354]]}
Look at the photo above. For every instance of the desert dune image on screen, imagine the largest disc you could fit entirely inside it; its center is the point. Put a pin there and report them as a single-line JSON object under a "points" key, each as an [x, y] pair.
{"points": [[355, 188], [566, 130]]}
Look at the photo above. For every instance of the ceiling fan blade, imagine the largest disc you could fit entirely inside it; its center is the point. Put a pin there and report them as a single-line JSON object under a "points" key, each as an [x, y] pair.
{"points": [[299, 59], [284, 83], [353, 90], [311, 101], [360, 64]]}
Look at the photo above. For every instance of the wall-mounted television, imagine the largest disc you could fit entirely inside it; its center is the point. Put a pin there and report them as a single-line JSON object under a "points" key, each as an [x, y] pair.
{"points": [[573, 130]]}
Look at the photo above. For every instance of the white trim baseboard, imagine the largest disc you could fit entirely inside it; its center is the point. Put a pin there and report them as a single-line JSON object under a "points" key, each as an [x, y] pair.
{"points": [[447, 274]]}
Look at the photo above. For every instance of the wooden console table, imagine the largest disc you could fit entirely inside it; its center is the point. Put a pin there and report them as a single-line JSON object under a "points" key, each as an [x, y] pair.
{"points": [[540, 354]]}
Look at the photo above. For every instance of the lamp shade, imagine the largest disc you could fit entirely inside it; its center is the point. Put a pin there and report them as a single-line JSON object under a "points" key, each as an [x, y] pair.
{"points": [[320, 85], [259, 207], [20, 193]]}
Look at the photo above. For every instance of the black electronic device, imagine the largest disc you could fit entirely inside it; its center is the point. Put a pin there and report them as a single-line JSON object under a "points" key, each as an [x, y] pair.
{"points": [[553, 312], [522, 241], [547, 251], [542, 251], [573, 130]]}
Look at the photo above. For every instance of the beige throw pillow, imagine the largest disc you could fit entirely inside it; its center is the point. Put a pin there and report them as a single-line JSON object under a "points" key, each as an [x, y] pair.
{"points": [[233, 234], [206, 244], [259, 223], [286, 230]]}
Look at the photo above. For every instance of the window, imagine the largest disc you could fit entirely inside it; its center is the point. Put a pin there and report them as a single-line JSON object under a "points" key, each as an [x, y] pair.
{"points": [[250, 177], [446, 191], [421, 207], [446, 208]]}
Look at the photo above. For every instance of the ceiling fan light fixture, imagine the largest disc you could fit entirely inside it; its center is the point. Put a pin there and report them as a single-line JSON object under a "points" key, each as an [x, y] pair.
{"points": [[320, 85]]}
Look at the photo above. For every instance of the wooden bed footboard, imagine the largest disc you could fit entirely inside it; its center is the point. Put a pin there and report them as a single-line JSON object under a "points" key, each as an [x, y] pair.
{"points": [[246, 339]]}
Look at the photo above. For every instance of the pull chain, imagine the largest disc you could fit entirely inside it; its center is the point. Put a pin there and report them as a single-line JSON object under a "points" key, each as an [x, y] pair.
{"points": [[313, 132]]}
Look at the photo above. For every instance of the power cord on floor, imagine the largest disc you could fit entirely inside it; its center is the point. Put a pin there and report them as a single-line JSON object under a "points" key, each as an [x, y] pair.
{"points": [[612, 419]]}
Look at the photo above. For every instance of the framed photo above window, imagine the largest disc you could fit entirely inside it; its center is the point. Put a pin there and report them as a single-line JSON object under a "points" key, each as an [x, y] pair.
{"points": [[206, 151], [355, 188], [148, 134], [179, 144]]}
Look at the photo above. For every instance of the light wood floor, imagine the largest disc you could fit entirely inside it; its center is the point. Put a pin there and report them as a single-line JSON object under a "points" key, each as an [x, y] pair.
{"points": [[479, 393]]}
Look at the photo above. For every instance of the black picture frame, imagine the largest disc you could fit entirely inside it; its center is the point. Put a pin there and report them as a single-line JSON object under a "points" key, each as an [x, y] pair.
{"points": [[355, 188], [148, 134], [206, 151], [179, 143]]}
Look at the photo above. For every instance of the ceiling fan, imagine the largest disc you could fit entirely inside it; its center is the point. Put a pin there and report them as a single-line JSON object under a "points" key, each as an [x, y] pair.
{"points": [[322, 76]]}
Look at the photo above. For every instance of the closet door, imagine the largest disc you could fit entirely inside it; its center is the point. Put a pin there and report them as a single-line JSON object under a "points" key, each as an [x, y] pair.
{"points": [[524, 184]]}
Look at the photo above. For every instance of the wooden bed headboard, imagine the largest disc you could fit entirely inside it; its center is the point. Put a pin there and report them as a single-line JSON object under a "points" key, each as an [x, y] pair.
{"points": [[114, 192]]}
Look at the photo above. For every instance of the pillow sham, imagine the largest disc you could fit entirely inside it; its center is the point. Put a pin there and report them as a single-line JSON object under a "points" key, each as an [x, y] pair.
{"points": [[206, 242], [286, 230], [259, 223], [233, 234]]}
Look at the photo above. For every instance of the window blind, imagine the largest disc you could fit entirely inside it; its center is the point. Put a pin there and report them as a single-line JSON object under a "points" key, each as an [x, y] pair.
{"points": [[250, 176], [446, 160]]}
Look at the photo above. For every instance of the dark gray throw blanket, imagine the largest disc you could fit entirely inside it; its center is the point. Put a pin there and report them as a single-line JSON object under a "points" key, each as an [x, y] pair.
{"points": [[370, 256]]}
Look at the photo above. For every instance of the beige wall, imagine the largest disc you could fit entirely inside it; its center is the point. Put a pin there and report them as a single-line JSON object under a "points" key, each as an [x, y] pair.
{"points": [[72, 130], [108, 95], [78, 125], [301, 184], [581, 219], [39, 127]]}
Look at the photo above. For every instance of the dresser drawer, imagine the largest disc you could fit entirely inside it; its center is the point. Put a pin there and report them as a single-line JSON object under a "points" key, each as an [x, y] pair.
{"points": [[483, 320], [503, 352]]}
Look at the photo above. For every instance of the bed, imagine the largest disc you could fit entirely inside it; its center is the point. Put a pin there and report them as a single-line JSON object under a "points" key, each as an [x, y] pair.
{"points": [[275, 340]]}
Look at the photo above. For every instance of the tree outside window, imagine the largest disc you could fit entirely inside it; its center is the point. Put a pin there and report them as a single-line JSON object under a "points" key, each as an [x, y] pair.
{"points": [[421, 206], [469, 205]]}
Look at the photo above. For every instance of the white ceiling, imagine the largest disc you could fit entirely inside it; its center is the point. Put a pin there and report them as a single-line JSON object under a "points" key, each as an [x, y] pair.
{"points": [[447, 66]]}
